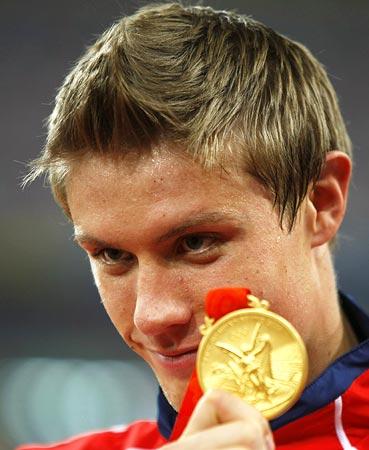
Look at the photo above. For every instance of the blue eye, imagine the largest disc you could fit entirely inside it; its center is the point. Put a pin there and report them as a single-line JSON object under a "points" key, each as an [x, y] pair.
{"points": [[197, 243], [114, 256], [201, 248], [194, 242]]}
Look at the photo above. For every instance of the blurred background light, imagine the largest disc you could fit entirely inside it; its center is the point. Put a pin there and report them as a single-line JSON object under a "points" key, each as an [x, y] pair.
{"points": [[49, 399]]}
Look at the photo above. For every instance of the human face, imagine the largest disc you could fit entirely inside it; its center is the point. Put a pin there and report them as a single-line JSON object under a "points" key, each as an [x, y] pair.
{"points": [[160, 232]]}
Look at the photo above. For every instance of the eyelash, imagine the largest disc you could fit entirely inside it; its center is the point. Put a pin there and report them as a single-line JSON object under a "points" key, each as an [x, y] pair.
{"points": [[99, 255], [206, 237], [212, 240]]}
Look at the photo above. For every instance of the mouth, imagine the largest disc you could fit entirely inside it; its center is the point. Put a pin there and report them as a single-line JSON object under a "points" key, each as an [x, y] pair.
{"points": [[179, 364]]}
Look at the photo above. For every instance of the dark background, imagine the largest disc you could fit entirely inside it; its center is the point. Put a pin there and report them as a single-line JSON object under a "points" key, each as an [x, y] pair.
{"points": [[63, 368]]}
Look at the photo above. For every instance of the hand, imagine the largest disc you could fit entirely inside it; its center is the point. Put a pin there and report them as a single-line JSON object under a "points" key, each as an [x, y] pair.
{"points": [[223, 421]]}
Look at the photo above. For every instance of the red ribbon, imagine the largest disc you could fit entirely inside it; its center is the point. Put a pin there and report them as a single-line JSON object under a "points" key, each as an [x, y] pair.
{"points": [[218, 303]]}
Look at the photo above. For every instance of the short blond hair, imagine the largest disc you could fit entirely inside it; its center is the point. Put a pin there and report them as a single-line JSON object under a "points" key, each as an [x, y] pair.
{"points": [[214, 82]]}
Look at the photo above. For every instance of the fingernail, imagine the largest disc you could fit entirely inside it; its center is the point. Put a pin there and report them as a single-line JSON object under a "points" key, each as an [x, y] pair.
{"points": [[270, 442]]}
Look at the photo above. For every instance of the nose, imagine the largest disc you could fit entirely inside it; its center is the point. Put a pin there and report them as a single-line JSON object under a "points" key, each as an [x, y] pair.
{"points": [[161, 303]]}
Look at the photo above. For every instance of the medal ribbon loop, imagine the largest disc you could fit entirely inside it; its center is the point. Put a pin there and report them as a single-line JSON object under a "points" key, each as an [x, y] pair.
{"points": [[218, 303]]}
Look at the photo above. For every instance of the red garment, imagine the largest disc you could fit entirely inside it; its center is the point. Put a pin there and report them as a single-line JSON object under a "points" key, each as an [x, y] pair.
{"points": [[143, 434], [342, 424]]}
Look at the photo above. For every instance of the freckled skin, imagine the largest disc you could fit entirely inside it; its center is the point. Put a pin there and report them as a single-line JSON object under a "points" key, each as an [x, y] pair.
{"points": [[156, 300]]}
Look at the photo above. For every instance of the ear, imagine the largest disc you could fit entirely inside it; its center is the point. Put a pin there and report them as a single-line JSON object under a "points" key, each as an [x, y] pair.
{"points": [[329, 197]]}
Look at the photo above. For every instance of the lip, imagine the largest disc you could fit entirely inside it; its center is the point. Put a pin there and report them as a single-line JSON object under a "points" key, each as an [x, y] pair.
{"points": [[179, 363]]}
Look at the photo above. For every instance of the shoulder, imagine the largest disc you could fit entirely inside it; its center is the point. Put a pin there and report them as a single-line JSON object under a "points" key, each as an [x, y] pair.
{"points": [[142, 434]]}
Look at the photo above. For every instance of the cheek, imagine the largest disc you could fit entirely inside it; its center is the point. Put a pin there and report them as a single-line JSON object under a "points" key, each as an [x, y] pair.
{"points": [[119, 301], [276, 268], [283, 277]]}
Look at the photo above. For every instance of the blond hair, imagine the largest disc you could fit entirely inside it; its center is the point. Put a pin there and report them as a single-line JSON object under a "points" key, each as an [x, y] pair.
{"points": [[215, 83]]}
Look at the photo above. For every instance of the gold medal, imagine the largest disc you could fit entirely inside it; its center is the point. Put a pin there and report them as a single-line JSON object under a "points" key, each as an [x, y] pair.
{"points": [[256, 355]]}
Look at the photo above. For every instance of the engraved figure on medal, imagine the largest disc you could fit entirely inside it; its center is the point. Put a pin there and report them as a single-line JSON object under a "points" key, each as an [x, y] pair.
{"points": [[248, 371], [255, 354]]}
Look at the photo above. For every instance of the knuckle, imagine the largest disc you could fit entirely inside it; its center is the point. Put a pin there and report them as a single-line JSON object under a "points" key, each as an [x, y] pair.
{"points": [[251, 434], [214, 394]]}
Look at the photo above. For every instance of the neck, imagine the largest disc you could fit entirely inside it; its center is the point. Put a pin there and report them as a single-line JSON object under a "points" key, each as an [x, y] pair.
{"points": [[349, 339], [335, 336]]}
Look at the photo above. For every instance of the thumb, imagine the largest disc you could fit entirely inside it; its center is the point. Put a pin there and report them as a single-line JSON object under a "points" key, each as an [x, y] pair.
{"points": [[218, 407]]}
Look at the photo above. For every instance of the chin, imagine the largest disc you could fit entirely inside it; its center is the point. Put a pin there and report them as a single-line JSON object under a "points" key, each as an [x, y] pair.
{"points": [[174, 392]]}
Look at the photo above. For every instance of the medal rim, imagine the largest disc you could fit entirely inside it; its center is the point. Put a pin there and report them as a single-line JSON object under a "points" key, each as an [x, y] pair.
{"points": [[276, 317]]}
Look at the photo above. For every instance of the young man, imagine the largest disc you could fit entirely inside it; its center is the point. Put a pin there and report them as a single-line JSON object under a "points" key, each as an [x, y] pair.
{"points": [[195, 149]]}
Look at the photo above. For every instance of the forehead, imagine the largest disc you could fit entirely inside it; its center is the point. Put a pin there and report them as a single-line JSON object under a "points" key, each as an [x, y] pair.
{"points": [[158, 170], [155, 188]]}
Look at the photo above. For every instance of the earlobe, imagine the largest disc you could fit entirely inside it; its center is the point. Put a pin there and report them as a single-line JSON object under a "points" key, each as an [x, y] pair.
{"points": [[329, 197]]}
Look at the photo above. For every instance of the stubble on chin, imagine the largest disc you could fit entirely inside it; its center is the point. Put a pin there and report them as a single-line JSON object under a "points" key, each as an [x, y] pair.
{"points": [[173, 397]]}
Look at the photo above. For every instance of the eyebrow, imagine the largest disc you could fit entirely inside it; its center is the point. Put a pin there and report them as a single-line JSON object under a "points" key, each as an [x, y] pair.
{"points": [[81, 237], [200, 219]]}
